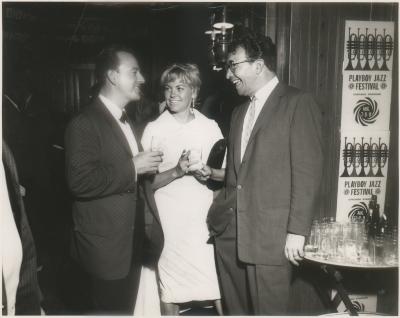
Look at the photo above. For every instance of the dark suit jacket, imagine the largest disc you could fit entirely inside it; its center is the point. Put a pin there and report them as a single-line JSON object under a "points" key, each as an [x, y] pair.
{"points": [[107, 199], [28, 292], [274, 189]]}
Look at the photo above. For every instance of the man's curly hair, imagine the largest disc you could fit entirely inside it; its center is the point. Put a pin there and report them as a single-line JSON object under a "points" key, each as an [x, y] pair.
{"points": [[257, 46]]}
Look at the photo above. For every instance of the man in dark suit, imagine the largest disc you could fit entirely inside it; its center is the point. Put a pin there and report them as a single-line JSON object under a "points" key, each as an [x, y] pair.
{"points": [[274, 165], [105, 166], [21, 293]]}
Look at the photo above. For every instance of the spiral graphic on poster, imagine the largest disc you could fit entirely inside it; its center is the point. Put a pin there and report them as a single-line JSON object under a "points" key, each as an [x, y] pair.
{"points": [[359, 212], [366, 111]]}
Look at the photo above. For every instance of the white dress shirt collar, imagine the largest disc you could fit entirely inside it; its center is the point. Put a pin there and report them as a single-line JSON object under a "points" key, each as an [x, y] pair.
{"points": [[263, 93], [115, 111]]}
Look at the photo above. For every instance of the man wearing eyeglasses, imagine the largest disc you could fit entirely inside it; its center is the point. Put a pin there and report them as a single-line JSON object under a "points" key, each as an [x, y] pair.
{"points": [[274, 165]]}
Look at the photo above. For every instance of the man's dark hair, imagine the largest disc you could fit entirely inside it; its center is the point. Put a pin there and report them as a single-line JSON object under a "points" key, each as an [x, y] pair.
{"points": [[256, 46], [108, 60]]}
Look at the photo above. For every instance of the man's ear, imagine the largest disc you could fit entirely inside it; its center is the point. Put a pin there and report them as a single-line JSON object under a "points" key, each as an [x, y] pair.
{"points": [[112, 76], [259, 66]]}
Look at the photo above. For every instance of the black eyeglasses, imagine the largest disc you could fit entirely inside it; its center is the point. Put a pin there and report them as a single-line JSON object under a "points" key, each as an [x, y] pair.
{"points": [[233, 66]]}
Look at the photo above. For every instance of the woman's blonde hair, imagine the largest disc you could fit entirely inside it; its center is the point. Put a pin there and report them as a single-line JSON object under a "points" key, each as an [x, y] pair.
{"points": [[188, 73]]}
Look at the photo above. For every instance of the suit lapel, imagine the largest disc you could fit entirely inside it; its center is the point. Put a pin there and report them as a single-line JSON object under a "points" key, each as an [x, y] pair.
{"points": [[264, 116], [136, 134], [144, 181], [115, 128], [237, 140], [148, 192]]}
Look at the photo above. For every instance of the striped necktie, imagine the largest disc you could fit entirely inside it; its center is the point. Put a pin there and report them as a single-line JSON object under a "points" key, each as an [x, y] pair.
{"points": [[248, 125]]}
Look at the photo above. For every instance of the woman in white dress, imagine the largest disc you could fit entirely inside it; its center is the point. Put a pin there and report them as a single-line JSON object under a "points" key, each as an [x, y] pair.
{"points": [[186, 267]]}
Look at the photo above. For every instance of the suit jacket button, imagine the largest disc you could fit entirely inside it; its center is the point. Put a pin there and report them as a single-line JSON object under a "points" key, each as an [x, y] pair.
{"points": [[239, 187], [230, 209]]}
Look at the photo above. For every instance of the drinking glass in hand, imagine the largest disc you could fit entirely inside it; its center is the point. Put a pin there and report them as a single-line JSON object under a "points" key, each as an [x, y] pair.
{"points": [[156, 144], [195, 159]]}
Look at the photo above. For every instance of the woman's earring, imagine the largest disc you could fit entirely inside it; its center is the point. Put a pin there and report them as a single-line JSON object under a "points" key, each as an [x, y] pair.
{"points": [[192, 105]]}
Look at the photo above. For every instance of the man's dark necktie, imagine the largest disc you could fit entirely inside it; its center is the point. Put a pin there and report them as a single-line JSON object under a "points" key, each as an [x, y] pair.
{"points": [[124, 117]]}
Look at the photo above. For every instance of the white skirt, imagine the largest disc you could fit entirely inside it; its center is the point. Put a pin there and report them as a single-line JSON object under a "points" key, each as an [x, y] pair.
{"points": [[148, 298]]}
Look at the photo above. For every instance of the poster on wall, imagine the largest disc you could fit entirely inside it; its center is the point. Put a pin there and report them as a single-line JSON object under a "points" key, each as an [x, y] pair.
{"points": [[362, 172], [366, 99], [367, 75]]}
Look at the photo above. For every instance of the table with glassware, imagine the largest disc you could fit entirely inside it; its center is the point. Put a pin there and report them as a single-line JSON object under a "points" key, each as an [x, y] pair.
{"points": [[335, 246]]}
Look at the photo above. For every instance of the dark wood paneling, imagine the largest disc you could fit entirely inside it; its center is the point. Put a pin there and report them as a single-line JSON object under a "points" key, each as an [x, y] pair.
{"points": [[327, 90], [315, 63], [392, 186], [271, 19], [314, 66], [283, 30]]}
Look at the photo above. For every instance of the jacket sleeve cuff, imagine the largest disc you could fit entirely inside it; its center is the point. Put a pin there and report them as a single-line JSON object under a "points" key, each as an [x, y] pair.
{"points": [[299, 230]]}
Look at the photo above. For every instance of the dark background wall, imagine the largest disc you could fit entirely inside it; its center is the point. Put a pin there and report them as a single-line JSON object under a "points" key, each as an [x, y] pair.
{"points": [[57, 36]]}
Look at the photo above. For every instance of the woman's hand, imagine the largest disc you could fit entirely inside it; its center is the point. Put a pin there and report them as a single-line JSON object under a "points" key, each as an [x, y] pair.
{"points": [[183, 164], [203, 174]]}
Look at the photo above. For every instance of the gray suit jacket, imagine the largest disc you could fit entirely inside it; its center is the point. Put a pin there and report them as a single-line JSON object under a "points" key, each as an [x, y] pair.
{"points": [[274, 189]]}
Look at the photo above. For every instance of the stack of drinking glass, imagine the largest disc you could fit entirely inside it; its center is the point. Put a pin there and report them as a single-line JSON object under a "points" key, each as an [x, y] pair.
{"points": [[353, 243]]}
